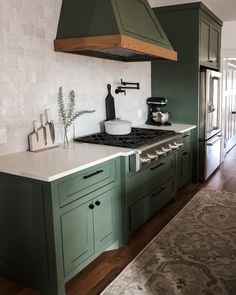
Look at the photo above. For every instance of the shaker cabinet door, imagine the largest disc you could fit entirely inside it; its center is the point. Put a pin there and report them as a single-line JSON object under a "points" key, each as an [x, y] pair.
{"points": [[184, 166], [204, 41], [105, 208], [77, 236], [214, 46], [210, 37]]}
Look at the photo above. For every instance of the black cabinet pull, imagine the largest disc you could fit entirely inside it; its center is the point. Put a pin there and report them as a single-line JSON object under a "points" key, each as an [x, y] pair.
{"points": [[92, 174], [158, 192], [157, 166], [97, 203], [233, 112], [91, 206], [187, 135], [185, 153]]}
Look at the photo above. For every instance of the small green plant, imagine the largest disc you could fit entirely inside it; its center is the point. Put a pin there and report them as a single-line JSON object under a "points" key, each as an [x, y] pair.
{"points": [[68, 114]]}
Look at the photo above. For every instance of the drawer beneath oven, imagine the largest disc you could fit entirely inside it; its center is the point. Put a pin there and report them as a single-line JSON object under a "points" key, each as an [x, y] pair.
{"points": [[143, 181], [150, 204]]}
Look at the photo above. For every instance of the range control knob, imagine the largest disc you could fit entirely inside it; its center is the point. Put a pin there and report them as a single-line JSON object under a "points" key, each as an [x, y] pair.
{"points": [[152, 156], [144, 160], [173, 146], [160, 153], [179, 144], [166, 150]]}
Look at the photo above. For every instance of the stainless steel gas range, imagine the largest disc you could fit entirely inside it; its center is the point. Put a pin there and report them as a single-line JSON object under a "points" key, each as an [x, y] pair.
{"points": [[149, 145], [148, 176]]}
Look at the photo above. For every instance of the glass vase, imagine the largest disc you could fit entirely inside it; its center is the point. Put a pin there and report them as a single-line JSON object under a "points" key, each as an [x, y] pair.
{"points": [[68, 137]]}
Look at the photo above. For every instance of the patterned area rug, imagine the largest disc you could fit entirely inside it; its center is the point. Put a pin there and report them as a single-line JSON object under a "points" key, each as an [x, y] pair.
{"points": [[194, 254]]}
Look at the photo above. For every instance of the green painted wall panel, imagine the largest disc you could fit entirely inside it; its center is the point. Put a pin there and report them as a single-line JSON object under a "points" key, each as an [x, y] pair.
{"points": [[178, 82]]}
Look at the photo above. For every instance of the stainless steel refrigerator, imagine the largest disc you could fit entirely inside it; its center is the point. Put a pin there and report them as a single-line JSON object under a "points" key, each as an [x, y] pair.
{"points": [[210, 123]]}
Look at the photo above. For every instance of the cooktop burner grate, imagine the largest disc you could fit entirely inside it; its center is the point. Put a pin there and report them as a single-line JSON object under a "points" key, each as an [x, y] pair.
{"points": [[137, 138]]}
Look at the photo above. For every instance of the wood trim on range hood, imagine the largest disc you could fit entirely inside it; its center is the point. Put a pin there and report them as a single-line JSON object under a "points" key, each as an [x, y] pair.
{"points": [[119, 47]]}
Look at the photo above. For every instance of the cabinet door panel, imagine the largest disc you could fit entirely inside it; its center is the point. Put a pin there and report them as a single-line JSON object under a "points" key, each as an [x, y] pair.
{"points": [[205, 37], [209, 43], [214, 45], [184, 166], [104, 213], [77, 236]]}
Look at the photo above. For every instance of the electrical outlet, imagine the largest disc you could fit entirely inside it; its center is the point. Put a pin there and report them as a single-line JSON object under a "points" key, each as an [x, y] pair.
{"points": [[3, 135]]}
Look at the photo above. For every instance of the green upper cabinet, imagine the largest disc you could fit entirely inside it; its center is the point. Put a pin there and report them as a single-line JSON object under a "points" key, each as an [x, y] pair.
{"points": [[210, 40]]}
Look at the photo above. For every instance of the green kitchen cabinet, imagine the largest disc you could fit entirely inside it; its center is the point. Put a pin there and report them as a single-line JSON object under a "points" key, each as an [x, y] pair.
{"points": [[210, 40], [179, 82], [146, 192], [151, 203], [184, 161], [52, 230], [88, 229], [77, 236]]}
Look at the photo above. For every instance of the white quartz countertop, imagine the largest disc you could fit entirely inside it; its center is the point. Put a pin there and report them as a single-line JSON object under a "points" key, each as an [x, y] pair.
{"points": [[180, 128], [58, 162]]}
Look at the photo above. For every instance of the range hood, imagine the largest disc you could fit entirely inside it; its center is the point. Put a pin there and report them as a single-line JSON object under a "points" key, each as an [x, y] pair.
{"points": [[125, 30]]}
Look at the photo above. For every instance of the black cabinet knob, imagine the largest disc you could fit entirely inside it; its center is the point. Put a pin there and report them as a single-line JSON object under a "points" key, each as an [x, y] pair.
{"points": [[97, 203], [91, 206]]}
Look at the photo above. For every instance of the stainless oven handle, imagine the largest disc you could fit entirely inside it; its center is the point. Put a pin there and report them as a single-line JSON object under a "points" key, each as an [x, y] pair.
{"points": [[214, 141]]}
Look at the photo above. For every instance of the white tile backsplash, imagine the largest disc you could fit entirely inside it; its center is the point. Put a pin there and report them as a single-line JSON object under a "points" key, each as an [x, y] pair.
{"points": [[31, 73]]}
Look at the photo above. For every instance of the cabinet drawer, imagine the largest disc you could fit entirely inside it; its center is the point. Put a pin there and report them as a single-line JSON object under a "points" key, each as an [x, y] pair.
{"points": [[145, 180], [149, 205], [86, 181]]}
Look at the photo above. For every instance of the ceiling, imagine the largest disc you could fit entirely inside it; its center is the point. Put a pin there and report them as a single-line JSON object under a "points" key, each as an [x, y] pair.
{"points": [[224, 9]]}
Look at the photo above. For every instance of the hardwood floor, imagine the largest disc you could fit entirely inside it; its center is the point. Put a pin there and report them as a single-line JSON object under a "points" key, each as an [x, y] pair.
{"points": [[224, 179], [96, 276]]}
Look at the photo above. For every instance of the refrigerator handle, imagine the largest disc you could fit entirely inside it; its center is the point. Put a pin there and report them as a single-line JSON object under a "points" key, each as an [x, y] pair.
{"points": [[214, 141]]}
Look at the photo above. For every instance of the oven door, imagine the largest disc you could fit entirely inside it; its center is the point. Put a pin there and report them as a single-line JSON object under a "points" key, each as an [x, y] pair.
{"points": [[211, 152]]}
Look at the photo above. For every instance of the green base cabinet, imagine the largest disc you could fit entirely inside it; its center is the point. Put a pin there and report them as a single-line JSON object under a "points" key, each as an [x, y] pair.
{"points": [[146, 192], [77, 236], [51, 231], [184, 162], [88, 229], [150, 204]]}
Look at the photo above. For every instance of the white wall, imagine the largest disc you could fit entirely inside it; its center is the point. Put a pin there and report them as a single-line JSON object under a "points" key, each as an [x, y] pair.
{"points": [[228, 39], [31, 73]]}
